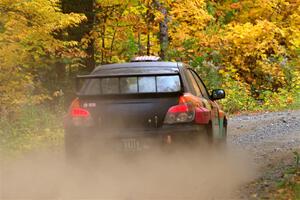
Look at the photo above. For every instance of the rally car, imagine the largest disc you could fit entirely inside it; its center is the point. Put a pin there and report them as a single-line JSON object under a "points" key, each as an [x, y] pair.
{"points": [[142, 105]]}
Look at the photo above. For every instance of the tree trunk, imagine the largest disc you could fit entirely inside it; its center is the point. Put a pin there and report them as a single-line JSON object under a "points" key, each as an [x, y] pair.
{"points": [[90, 59], [148, 42], [163, 30], [139, 43], [77, 33]]}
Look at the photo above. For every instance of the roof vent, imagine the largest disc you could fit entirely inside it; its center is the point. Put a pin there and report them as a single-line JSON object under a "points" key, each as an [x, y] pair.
{"points": [[146, 59]]}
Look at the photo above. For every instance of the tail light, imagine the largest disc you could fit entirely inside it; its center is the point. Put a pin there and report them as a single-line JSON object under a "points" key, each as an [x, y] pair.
{"points": [[79, 116], [79, 112], [189, 109], [182, 113]]}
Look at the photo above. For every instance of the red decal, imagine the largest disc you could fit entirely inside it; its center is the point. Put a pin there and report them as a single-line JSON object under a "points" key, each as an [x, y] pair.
{"points": [[202, 116]]}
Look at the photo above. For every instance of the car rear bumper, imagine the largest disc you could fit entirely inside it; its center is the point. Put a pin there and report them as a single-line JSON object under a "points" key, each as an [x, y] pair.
{"points": [[179, 130], [134, 139]]}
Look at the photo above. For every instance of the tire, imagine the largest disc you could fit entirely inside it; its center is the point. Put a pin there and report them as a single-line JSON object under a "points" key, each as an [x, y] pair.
{"points": [[216, 143], [209, 133], [203, 138], [72, 148], [223, 141]]}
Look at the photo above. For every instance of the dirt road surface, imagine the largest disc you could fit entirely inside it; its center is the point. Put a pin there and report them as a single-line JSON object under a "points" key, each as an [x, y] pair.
{"points": [[265, 134], [271, 138], [257, 143]]}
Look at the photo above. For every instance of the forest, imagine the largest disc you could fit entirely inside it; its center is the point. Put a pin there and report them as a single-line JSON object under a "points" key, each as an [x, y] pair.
{"points": [[251, 48]]}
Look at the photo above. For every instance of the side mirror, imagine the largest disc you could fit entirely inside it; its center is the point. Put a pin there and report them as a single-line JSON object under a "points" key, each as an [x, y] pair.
{"points": [[217, 94]]}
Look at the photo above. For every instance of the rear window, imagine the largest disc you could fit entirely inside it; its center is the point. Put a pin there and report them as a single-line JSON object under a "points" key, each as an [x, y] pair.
{"points": [[131, 85]]}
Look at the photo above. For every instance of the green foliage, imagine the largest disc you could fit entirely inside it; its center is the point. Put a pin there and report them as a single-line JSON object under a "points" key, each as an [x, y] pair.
{"points": [[29, 48], [297, 160], [242, 45], [130, 47], [238, 96], [288, 187], [32, 129]]}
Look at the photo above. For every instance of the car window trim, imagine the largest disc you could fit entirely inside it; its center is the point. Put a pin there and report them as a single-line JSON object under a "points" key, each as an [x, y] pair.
{"points": [[127, 75], [196, 74], [183, 77]]}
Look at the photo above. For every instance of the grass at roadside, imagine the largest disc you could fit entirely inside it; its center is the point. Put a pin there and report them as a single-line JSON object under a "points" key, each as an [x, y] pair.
{"points": [[296, 104], [34, 128], [281, 182], [289, 186]]}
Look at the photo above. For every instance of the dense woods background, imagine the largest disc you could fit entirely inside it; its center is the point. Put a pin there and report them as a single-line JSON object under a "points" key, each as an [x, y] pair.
{"points": [[250, 48]]}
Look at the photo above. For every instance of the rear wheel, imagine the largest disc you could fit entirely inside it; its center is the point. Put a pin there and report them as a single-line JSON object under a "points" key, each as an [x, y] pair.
{"points": [[213, 142], [71, 152], [74, 148], [223, 141], [203, 137], [209, 133]]}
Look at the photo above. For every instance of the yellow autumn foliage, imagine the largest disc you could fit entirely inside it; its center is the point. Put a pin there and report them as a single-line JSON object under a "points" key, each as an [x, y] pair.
{"points": [[254, 51], [254, 42], [188, 18], [28, 42]]}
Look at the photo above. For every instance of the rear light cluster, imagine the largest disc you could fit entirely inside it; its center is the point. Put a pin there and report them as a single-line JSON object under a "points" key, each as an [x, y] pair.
{"points": [[181, 113], [79, 116], [189, 109], [79, 112]]}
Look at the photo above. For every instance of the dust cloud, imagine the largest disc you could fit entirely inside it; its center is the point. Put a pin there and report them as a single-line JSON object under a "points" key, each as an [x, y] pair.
{"points": [[179, 174]]}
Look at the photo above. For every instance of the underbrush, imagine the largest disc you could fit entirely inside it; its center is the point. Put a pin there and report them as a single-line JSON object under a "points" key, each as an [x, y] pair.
{"points": [[249, 96], [32, 128], [239, 98], [288, 187], [280, 182]]}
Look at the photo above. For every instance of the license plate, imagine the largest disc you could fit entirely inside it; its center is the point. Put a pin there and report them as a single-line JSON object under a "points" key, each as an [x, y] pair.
{"points": [[131, 144]]}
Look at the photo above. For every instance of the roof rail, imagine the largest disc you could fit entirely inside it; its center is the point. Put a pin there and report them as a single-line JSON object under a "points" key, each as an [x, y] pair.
{"points": [[146, 59]]}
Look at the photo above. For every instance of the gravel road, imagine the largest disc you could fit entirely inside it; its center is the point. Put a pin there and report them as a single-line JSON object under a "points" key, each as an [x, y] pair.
{"points": [[266, 134], [271, 138]]}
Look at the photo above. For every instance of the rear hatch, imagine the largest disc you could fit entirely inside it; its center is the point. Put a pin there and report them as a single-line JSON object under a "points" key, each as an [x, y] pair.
{"points": [[131, 101]]}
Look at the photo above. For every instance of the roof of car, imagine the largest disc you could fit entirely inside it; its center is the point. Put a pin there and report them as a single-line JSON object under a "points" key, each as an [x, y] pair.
{"points": [[138, 64], [121, 68]]}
